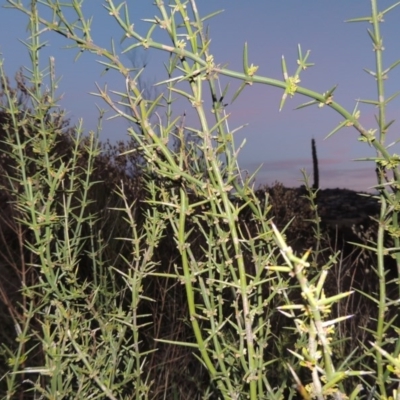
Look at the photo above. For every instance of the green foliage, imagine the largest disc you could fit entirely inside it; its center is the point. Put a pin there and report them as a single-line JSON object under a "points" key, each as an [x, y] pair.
{"points": [[115, 276]]}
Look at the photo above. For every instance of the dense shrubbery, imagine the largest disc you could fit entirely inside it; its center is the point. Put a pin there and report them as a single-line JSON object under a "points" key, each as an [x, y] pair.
{"points": [[171, 368], [152, 270]]}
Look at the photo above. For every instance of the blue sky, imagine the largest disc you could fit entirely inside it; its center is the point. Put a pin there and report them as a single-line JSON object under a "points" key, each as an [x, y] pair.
{"points": [[281, 141]]}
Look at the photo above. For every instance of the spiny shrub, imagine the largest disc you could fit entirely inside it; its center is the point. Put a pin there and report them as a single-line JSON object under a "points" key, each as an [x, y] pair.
{"points": [[191, 266]]}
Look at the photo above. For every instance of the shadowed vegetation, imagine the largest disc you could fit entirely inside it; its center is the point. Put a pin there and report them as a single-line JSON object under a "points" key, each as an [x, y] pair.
{"points": [[152, 269]]}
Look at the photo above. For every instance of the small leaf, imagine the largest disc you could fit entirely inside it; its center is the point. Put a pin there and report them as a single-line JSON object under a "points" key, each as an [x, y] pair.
{"points": [[309, 103], [333, 299], [393, 96], [245, 59], [211, 15], [394, 65], [372, 36], [361, 19], [336, 320], [340, 126], [242, 86], [284, 69], [368, 71], [390, 8], [387, 126], [373, 102]]}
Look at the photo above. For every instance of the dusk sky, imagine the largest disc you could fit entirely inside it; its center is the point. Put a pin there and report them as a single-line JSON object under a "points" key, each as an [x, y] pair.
{"points": [[281, 141]]}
